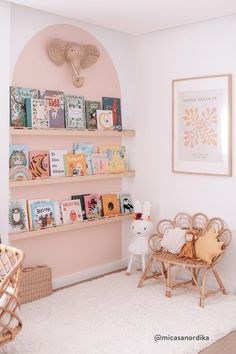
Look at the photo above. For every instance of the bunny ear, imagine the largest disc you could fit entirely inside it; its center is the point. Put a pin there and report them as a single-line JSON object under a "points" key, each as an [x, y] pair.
{"points": [[146, 210], [137, 207]]}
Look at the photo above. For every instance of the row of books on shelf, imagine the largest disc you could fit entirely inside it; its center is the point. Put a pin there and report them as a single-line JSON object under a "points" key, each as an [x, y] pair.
{"points": [[43, 109], [39, 214], [25, 164]]}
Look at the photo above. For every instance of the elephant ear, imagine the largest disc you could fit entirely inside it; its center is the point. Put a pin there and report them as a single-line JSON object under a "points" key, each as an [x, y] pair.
{"points": [[56, 51], [90, 56]]}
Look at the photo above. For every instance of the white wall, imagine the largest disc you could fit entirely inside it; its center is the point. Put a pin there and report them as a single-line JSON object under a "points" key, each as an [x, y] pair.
{"points": [[4, 112], [205, 48]]}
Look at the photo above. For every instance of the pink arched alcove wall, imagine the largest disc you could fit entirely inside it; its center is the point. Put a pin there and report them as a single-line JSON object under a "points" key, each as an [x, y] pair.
{"points": [[74, 251]]}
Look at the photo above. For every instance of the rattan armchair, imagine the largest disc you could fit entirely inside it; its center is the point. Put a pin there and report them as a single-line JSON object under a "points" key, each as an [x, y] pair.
{"points": [[197, 269], [11, 260]]}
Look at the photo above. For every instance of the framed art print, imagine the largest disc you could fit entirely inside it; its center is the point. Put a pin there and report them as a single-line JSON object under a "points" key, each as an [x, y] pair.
{"points": [[201, 130]]}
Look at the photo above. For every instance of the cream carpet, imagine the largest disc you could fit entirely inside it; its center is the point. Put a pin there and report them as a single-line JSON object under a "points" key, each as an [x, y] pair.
{"points": [[111, 315]]}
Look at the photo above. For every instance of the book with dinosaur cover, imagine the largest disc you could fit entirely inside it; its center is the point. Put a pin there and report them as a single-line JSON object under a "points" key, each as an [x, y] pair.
{"points": [[57, 166], [39, 164], [75, 165], [117, 157], [126, 204], [75, 112], [18, 216], [100, 163], [104, 120], [91, 108], [18, 155], [110, 204], [42, 215], [113, 104], [81, 198], [92, 206], [56, 111], [71, 211], [37, 113], [87, 150], [18, 97]]}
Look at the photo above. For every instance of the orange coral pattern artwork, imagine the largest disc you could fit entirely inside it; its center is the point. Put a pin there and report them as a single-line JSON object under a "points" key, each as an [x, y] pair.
{"points": [[200, 127]]}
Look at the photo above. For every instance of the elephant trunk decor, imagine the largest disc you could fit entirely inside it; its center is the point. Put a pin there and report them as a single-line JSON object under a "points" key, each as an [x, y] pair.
{"points": [[80, 56]]}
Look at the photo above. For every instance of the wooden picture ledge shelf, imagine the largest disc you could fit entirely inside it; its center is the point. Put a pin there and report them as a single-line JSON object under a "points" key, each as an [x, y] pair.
{"points": [[57, 180], [70, 132], [70, 227]]}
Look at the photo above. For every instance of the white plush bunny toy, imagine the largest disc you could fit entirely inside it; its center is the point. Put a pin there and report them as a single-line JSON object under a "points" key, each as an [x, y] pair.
{"points": [[142, 228]]}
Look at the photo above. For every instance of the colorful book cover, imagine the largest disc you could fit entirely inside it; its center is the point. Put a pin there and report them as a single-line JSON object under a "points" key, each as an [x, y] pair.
{"points": [[104, 119], [71, 211], [81, 198], [91, 108], [39, 164], [110, 204], [37, 113], [18, 96], [75, 165], [18, 216], [75, 112], [56, 110], [29, 203], [57, 166], [42, 215], [92, 206], [113, 104], [18, 155], [58, 213], [126, 204], [18, 173], [117, 157], [100, 163], [87, 150]]}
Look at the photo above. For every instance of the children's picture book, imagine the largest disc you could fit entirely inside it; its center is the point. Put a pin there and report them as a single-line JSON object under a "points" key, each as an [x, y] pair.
{"points": [[104, 120], [92, 206], [113, 104], [71, 211], [87, 150], [18, 96], [29, 203], [58, 213], [110, 204], [19, 172], [75, 165], [57, 166], [81, 198], [75, 112], [18, 155], [39, 164], [126, 204], [91, 108], [100, 163], [56, 111], [117, 157], [37, 113], [42, 215], [18, 216]]}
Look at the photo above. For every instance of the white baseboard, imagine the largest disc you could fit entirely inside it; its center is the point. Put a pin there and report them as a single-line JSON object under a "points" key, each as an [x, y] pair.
{"points": [[73, 278]]}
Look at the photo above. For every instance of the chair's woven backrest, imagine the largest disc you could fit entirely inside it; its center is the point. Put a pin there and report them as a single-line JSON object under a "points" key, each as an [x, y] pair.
{"points": [[11, 260]]}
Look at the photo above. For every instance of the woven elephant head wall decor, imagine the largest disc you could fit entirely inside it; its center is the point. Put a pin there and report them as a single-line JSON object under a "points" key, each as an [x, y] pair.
{"points": [[80, 56]]}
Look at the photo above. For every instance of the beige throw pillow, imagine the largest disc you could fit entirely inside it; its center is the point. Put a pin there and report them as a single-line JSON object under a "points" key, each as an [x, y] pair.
{"points": [[208, 247]]}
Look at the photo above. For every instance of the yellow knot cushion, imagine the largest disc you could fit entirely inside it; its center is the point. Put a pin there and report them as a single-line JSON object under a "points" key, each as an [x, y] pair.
{"points": [[208, 247]]}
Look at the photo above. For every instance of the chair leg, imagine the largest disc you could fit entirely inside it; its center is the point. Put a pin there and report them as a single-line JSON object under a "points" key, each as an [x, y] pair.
{"points": [[168, 281], [219, 281], [203, 290], [143, 262], [144, 275], [130, 264]]}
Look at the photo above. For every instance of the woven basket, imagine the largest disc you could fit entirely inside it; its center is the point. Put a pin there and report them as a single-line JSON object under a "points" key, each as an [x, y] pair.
{"points": [[35, 283]]}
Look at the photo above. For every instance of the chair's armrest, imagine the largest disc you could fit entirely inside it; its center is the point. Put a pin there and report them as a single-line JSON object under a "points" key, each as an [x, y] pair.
{"points": [[154, 241]]}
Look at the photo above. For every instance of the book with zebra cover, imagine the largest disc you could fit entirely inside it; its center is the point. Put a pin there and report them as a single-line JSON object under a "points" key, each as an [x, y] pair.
{"points": [[56, 109], [75, 112], [18, 97], [39, 164]]}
